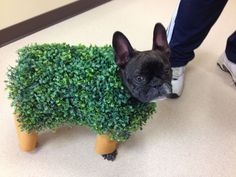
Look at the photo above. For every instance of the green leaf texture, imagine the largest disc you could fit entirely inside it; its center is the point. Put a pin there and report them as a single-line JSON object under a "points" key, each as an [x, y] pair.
{"points": [[54, 85]]}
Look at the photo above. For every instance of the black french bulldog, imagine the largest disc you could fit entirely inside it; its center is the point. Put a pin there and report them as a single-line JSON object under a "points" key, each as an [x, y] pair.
{"points": [[146, 74]]}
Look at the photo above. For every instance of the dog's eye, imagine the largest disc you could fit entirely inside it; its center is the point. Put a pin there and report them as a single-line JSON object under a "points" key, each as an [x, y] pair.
{"points": [[140, 79]]}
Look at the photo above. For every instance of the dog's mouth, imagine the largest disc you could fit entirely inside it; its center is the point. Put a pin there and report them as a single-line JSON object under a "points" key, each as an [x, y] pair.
{"points": [[153, 100], [163, 92], [153, 94], [160, 98]]}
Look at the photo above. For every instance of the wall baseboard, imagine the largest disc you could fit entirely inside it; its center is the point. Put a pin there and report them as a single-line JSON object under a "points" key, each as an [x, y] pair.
{"points": [[32, 25]]}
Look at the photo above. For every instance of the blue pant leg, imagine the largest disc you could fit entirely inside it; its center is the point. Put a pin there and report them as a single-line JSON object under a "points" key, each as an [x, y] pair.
{"points": [[192, 23], [231, 48]]}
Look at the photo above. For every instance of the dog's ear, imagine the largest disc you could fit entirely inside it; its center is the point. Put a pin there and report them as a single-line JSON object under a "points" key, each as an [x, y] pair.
{"points": [[160, 39], [123, 49]]}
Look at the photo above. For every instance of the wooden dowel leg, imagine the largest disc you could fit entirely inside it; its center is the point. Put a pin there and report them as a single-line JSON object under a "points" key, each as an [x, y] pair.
{"points": [[104, 145], [27, 141]]}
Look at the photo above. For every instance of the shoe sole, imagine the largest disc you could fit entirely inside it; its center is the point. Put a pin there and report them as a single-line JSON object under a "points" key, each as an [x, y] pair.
{"points": [[223, 68]]}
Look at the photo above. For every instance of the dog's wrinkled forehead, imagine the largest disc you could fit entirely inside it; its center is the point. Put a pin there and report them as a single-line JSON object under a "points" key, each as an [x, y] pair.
{"points": [[146, 62]]}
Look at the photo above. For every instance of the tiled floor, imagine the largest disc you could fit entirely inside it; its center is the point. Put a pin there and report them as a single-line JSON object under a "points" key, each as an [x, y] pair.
{"points": [[193, 136]]}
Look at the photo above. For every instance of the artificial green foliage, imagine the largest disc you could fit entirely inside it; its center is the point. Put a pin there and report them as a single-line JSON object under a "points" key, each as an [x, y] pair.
{"points": [[57, 84]]}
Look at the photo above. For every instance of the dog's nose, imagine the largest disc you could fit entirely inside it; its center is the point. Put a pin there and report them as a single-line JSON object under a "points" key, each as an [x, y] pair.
{"points": [[165, 89], [156, 83]]}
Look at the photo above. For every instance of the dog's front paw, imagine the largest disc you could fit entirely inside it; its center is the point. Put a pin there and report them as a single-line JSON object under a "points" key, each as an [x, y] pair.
{"points": [[111, 156]]}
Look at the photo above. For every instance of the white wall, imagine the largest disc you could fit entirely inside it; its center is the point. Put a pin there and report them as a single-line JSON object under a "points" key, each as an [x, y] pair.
{"points": [[15, 11]]}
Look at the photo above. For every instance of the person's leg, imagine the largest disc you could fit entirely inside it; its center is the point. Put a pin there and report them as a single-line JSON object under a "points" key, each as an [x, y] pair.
{"points": [[227, 62], [189, 28], [231, 48]]}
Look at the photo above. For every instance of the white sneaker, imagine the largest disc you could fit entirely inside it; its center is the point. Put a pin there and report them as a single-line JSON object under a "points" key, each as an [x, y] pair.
{"points": [[177, 81], [227, 66]]}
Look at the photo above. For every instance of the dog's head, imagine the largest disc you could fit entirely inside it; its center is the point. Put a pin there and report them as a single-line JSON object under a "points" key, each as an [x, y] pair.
{"points": [[146, 74]]}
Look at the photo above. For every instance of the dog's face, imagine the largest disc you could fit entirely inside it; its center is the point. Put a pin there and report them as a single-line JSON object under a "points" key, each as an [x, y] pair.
{"points": [[146, 74]]}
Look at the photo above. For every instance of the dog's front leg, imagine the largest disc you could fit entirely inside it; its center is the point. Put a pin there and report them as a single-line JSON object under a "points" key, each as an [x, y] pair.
{"points": [[106, 147]]}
